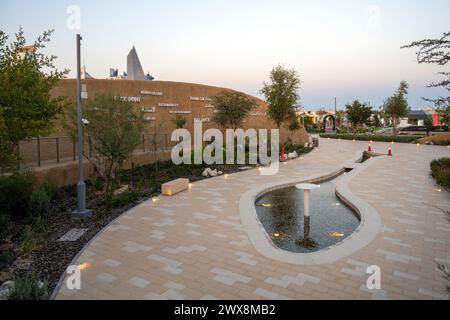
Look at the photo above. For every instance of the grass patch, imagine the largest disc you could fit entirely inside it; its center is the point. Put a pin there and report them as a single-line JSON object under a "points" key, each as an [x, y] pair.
{"points": [[440, 170], [33, 237]]}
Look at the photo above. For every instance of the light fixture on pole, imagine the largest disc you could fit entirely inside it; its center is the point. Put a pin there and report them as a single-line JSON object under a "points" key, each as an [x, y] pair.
{"points": [[81, 187]]}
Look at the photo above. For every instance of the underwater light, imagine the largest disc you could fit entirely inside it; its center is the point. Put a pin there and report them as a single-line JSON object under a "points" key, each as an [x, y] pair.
{"points": [[267, 205], [336, 234], [83, 266]]}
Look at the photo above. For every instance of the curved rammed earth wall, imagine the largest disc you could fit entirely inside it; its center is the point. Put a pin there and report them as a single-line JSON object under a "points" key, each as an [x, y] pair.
{"points": [[173, 93]]}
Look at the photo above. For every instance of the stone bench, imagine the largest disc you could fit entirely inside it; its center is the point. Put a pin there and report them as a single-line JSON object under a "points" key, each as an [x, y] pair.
{"points": [[175, 186]]}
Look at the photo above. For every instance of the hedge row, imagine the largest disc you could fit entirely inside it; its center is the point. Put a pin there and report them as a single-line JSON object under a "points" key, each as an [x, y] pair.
{"points": [[440, 170], [367, 137]]}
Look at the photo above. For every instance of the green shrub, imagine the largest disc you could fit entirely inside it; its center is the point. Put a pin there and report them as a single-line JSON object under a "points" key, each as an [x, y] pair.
{"points": [[97, 183], [29, 287], [299, 148], [440, 170], [124, 199], [4, 221], [39, 203], [50, 189], [15, 192], [368, 137], [34, 236], [6, 257]]}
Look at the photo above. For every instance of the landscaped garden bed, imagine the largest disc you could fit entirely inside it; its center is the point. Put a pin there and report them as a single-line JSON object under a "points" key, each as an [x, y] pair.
{"points": [[440, 170], [29, 242], [439, 139], [368, 137]]}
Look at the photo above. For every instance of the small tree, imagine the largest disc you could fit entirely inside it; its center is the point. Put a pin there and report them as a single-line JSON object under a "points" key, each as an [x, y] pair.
{"points": [[114, 129], [397, 106], [232, 108], [444, 115], [281, 93], [428, 123], [27, 78], [436, 51], [358, 114], [179, 122]]}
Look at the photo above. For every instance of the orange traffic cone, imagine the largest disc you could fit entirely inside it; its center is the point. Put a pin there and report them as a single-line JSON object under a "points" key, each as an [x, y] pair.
{"points": [[370, 148], [390, 152], [283, 156]]}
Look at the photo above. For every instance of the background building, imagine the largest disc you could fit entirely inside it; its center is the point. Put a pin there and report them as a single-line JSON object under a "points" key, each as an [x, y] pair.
{"points": [[134, 67]]}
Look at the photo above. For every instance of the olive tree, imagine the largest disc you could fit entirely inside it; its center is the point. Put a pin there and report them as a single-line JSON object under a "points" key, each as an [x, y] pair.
{"points": [[428, 123], [114, 130], [281, 92], [358, 114], [396, 106], [231, 108]]}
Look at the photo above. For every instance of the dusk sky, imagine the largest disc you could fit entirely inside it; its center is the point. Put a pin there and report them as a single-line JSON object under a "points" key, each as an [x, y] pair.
{"points": [[348, 49]]}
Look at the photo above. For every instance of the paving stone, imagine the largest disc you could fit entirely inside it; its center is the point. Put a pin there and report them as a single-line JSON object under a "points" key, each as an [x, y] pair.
{"points": [[106, 277], [72, 235], [195, 247], [139, 282]]}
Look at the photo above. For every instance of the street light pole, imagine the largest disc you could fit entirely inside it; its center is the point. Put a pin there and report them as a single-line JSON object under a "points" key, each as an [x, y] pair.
{"points": [[335, 114], [81, 187]]}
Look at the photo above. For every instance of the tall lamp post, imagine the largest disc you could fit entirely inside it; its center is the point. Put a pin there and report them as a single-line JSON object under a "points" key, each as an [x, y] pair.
{"points": [[81, 187], [335, 114]]}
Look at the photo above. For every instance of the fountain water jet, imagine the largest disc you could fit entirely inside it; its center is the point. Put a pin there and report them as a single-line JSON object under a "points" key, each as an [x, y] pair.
{"points": [[306, 242]]}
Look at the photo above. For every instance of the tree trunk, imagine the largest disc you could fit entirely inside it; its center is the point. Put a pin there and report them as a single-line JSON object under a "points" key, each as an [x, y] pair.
{"points": [[108, 180]]}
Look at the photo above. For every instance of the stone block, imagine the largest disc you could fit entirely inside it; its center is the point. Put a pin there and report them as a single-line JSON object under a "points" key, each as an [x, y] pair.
{"points": [[173, 187]]}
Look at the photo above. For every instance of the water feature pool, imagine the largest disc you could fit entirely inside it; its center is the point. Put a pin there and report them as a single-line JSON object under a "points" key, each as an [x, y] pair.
{"points": [[281, 214]]}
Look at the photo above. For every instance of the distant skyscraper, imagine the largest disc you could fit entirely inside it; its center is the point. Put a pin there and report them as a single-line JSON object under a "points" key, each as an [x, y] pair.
{"points": [[113, 73], [85, 74], [134, 67]]}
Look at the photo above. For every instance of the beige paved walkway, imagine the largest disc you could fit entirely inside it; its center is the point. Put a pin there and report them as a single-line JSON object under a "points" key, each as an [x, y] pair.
{"points": [[193, 246]]}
